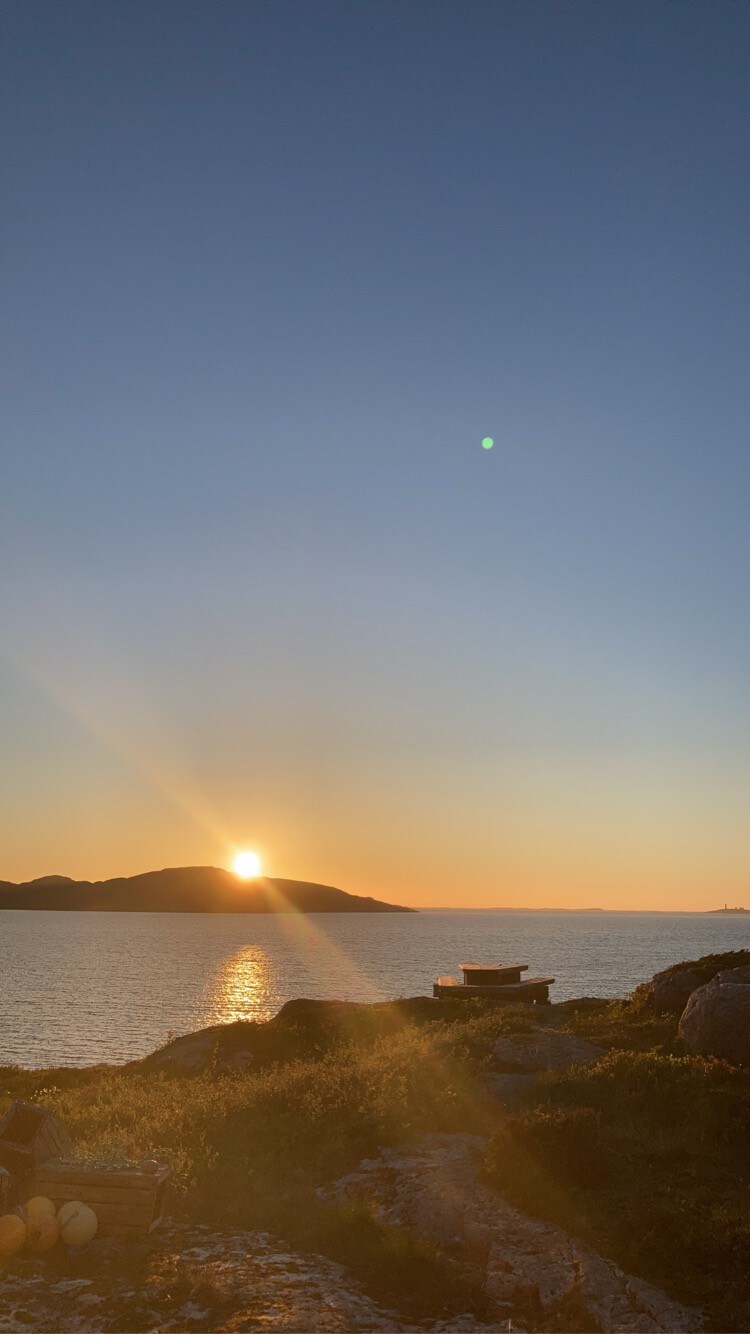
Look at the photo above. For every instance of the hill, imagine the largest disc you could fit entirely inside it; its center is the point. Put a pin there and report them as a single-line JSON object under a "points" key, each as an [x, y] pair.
{"points": [[185, 889]]}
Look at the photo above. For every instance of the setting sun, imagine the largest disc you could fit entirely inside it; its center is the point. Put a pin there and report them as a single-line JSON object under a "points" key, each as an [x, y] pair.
{"points": [[247, 865]]}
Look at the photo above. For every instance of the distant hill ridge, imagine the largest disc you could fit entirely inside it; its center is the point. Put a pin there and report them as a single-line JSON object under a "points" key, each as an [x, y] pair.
{"points": [[208, 889]]}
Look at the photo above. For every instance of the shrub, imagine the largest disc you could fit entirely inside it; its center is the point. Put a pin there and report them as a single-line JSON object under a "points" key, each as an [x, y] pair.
{"points": [[646, 1156]]}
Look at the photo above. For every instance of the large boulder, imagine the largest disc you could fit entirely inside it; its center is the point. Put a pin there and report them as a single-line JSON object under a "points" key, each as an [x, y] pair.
{"points": [[294, 1031], [672, 989], [669, 991], [520, 1058], [716, 1019], [735, 975]]}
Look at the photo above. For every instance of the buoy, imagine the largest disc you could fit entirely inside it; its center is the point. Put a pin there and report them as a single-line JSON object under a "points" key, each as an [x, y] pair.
{"points": [[12, 1234], [42, 1232], [66, 1210], [39, 1204], [79, 1224]]}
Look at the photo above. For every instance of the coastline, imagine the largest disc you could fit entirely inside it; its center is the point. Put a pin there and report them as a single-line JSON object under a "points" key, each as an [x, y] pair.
{"points": [[556, 1126]]}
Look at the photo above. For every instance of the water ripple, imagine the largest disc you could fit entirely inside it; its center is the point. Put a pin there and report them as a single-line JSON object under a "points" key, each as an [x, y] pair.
{"points": [[83, 988]]}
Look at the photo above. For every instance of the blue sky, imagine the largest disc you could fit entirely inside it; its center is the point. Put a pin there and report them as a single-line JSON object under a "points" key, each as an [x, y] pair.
{"points": [[272, 272]]}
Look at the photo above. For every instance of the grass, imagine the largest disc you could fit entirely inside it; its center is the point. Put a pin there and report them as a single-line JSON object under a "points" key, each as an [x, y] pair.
{"points": [[644, 1154], [251, 1149], [298, 1122]]}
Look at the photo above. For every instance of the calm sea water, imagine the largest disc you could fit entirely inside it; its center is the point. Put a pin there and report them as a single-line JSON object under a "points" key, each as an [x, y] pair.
{"points": [[80, 988]]}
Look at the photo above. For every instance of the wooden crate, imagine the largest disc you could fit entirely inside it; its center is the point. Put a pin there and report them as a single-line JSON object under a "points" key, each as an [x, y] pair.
{"points": [[29, 1135], [128, 1201]]}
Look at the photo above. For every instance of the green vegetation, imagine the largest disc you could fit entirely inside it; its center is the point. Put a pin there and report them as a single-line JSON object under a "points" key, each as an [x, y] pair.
{"points": [[644, 1154], [251, 1149]]}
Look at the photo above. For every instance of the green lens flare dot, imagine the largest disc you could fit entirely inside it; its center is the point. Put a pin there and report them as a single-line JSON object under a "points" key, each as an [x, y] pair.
{"points": [[488, 442]]}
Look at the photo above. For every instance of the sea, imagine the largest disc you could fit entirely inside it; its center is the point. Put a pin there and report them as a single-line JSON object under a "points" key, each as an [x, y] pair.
{"points": [[80, 989]]}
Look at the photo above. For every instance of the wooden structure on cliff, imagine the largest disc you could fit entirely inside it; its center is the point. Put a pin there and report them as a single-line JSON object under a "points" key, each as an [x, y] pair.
{"points": [[499, 982]]}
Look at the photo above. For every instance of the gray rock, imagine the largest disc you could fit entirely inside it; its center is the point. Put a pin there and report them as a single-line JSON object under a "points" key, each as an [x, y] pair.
{"points": [[508, 1087], [716, 1019], [670, 991], [433, 1189], [735, 975], [242, 1279], [544, 1049]]}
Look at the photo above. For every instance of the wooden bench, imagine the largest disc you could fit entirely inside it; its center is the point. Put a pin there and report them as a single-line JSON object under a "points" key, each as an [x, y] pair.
{"points": [[533, 990], [492, 974]]}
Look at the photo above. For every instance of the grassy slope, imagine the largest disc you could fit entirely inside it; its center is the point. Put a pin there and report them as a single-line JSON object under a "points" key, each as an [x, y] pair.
{"points": [[644, 1155]]}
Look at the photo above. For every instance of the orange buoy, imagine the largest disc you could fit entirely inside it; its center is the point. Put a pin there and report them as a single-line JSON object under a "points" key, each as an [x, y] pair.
{"points": [[12, 1234], [42, 1231]]}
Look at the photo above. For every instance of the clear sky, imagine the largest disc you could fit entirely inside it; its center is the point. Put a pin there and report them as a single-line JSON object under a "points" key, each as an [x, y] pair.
{"points": [[272, 272]]}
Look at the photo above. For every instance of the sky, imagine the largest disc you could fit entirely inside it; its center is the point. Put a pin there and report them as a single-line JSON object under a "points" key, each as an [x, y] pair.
{"points": [[272, 270]]}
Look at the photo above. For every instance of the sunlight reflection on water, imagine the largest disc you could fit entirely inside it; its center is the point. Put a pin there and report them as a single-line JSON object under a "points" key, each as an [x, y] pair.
{"points": [[241, 988]]}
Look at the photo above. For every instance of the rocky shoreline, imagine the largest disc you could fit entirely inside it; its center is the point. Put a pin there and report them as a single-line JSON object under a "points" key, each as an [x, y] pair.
{"points": [[433, 1192]]}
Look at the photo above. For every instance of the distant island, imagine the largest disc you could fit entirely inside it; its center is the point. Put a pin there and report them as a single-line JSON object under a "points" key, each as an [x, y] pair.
{"points": [[204, 889], [725, 909]]}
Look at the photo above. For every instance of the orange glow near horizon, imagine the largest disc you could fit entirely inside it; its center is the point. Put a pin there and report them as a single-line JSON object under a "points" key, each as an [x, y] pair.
{"points": [[626, 827]]}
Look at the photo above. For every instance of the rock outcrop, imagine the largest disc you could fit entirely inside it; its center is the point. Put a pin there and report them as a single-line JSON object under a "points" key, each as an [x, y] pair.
{"points": [[669, 991], [187, 1277], [716, 1019], [544, 1049], [223, 1047], [434, 1191], [244, 1044], [519, 1059], [741, 975]]}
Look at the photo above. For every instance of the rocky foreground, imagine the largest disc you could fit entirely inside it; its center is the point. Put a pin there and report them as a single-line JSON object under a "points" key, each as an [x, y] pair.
{"points": [[521, 1262], [445, 1191], [194, 1278], [190, 1278]]}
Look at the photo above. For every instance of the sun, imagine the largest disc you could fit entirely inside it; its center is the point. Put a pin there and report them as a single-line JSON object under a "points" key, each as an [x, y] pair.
{"points": [[247, 865]]}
